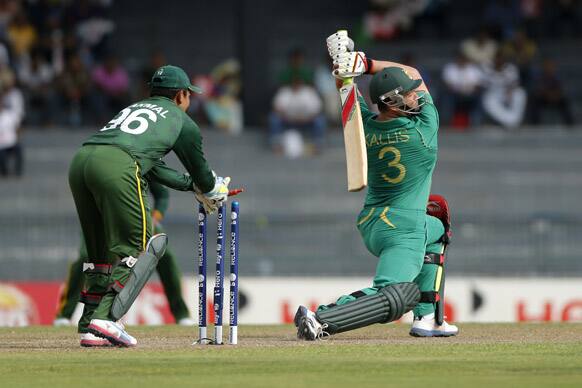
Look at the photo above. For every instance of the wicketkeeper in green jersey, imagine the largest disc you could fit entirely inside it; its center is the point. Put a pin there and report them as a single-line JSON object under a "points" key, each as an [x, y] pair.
{"points": [[107, 179], [167, 269], [401, 144]]}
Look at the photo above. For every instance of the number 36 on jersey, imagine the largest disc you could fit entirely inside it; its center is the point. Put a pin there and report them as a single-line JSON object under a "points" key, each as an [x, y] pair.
{"points": [[136, 121]]}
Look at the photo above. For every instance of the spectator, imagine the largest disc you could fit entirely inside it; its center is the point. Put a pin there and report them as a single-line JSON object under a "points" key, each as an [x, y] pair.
{"points": [[22, 36], [548, 95], [4, 55], [436, 15], [480, 48], [157, 59], [75, 89], [112, 86], [89, 22], [296, 68], [462, 88], [51, 38], [386, 19], [11, 115], [223, 106], [503, 99], [36, 77], [521, 50], [8, 8], [501, 16], [530, 13], [297, 106]]}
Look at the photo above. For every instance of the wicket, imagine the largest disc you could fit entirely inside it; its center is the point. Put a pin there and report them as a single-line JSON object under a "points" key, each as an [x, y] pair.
{"points": [[219, 279]]}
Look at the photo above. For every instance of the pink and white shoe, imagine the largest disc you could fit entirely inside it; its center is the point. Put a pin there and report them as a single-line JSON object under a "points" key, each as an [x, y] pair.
{"points": [[89, 340], [112, 331]]}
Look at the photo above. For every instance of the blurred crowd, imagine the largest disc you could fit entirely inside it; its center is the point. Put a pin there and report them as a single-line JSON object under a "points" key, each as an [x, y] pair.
{"points": [[59, 67], [59, 55], [503, 82], [55, 69], [392, 19], [498, 75]]}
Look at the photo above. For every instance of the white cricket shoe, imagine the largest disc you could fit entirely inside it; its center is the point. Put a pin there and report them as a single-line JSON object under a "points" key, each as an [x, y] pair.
{"points": [[426, 326], [58, 322], [308, 327], [186, 322], [90, 340], [112, 331]]}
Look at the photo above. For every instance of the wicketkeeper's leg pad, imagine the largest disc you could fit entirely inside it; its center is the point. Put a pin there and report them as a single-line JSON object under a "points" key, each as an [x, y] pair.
{"points": [[387, 305], [141, 269]]}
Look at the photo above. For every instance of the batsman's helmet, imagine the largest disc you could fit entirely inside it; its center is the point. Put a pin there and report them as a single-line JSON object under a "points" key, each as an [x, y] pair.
{"points": [[389, 85]]}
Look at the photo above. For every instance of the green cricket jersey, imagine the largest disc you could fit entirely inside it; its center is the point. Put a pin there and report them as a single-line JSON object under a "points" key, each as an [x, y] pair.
{"points": [[402, 154], [148, 130]]}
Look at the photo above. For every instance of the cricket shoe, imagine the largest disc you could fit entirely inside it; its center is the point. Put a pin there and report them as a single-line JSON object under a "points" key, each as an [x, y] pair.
{"points": [[90, 340], [112, 331], [426, 326], [186, 322], [308, 327], [58, 322]]}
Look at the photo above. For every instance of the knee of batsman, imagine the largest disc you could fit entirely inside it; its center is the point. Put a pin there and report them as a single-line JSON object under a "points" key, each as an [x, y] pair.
{"points": [[401, 298]]}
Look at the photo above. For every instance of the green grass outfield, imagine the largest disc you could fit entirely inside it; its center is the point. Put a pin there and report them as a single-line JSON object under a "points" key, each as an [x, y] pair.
{"points": [[483, 355]]}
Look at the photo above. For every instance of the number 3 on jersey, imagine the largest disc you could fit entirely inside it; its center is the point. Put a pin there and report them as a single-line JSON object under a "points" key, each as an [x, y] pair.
{"points": [[132, 122], [393, 163]]}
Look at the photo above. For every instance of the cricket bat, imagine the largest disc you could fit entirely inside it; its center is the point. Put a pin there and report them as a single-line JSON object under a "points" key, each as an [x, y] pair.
{"points": [[354, 138]]}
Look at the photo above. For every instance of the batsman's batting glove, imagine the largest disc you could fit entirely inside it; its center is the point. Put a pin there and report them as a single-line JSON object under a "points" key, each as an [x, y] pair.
{"points": [[350, 64], [339, 42], [215, 197]]}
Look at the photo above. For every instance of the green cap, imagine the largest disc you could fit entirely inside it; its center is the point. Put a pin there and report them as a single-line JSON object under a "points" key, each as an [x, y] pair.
{"points": [[389, 79], [172, 77]]}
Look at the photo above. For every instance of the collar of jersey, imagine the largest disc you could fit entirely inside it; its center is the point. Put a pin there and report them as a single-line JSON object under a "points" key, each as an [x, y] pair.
{"points": [[397, 122]]}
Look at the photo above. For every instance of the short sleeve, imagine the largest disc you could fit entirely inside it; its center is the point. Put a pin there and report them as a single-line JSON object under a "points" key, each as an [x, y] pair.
{"points": [[188, 148], [427, 120], [367, 114]]}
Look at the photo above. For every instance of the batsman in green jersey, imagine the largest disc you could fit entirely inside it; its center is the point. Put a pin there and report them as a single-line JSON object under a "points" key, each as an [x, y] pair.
{"points": [[167, 270], [108, 181], [401, 144]]}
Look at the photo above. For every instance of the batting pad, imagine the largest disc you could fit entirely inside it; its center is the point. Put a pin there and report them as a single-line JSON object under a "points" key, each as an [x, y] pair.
{"points": [[389, 304]]}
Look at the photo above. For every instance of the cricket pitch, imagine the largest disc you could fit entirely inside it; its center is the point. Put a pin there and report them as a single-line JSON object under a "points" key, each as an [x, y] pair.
{"points": [[503, 355]]}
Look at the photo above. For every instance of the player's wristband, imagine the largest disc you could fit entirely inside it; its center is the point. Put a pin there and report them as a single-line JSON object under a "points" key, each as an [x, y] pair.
{"points": [[368, 65]]}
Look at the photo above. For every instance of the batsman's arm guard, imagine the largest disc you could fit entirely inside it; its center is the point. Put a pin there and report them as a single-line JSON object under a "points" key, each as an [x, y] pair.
{"points": [[141, 268], [387, 305]]}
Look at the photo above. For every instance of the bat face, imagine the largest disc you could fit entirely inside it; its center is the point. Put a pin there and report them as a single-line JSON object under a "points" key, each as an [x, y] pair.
{"points": [[354, 139]]}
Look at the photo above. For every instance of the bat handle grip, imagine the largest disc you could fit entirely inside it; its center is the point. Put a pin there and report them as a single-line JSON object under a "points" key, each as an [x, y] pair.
{"points": [[347, 81]]}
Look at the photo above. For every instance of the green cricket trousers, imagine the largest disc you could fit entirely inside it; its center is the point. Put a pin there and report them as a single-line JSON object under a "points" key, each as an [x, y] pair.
{"points": [[111, 202], [399, 238]]}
